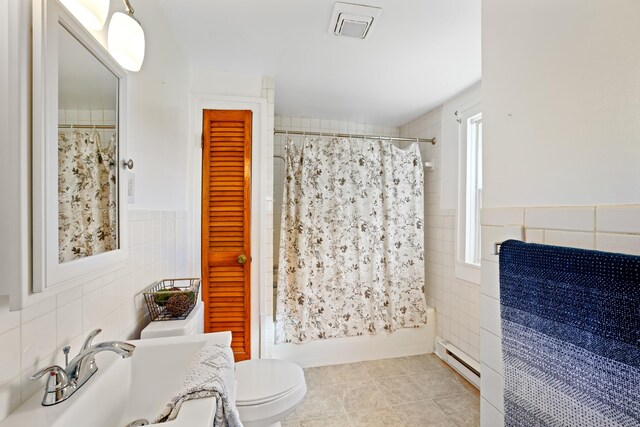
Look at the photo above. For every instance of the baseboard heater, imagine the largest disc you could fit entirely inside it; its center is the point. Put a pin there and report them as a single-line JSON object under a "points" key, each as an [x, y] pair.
{"points": [[458, 360]]}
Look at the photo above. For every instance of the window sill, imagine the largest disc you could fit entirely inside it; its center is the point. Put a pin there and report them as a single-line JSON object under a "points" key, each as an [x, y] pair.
{"points": [[469, 272]]}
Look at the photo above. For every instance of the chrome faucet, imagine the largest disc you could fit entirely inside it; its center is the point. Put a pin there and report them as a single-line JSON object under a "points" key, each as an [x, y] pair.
{"points": [[62, 383]]}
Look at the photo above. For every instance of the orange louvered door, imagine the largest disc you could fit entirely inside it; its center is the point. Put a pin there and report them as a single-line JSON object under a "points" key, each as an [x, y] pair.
{"points": [[226, 202]]}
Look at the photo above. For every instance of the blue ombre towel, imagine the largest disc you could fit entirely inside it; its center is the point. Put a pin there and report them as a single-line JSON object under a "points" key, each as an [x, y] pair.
{"points": [[570, 336]]}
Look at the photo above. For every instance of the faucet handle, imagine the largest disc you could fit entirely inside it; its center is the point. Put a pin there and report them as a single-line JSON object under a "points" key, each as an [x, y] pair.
{"points": [[87, 341], [57, 380]]}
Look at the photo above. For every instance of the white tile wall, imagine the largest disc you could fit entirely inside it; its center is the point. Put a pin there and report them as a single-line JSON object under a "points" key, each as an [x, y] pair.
{"points": [[89, 117], [492, 388], [575, 219], [574, 239], [181, 245], [533, 235], [268, 92], [457, 302], [625, 243], [608, 228], [490, 354], [617, 219], [33, 337], [311, 125], [489, 415], [510, 216], [490, 315], [490, 279]]}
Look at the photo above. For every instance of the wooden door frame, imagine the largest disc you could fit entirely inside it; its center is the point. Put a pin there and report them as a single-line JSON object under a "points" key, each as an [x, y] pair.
{"points": [[258, 106]]}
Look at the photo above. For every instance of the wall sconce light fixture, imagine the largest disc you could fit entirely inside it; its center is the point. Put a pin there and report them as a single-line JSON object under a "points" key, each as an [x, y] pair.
{"points": [[125, 40]]}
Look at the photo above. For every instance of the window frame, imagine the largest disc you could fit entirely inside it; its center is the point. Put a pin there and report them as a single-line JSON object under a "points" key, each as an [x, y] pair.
{"points": [[469, 271]]}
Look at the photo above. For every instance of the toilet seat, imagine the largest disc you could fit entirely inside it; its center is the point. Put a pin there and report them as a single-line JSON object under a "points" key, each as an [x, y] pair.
{"points": [[268, 390]]}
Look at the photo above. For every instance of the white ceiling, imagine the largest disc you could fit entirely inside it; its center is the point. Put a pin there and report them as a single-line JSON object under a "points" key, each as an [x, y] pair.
{"points": [[421, 53]]}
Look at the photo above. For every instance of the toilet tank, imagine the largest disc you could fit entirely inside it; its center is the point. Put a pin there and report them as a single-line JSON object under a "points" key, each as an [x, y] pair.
{"points": [[193, 324]]}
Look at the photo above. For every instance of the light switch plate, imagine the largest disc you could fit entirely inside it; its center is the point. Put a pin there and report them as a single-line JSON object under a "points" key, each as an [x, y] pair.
{"points": [[131, 187]]}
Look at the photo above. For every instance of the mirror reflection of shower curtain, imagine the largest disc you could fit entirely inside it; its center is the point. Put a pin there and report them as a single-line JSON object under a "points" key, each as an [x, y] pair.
{"points": [[87, 195], [351, 246]]}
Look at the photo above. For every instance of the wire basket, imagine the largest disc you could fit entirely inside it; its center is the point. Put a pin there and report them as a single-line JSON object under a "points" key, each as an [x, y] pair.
{"points": [[172, 299]]}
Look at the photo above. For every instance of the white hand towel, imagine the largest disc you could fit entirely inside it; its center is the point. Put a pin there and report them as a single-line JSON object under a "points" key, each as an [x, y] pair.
{"points": [[211, 374]]}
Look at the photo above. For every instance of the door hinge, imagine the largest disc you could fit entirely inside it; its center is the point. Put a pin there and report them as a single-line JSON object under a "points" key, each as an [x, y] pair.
{"points": [[202, 140]]}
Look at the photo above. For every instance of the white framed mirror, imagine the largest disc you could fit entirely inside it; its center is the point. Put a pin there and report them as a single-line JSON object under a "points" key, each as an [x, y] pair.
{"points": [[79, 144]]}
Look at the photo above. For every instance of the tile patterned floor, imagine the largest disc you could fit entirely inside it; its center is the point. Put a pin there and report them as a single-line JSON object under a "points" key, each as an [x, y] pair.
{"points": [[412, 391]]}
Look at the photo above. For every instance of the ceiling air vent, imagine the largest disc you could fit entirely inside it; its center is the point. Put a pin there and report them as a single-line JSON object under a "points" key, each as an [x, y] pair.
{"points": [[353, 20]]}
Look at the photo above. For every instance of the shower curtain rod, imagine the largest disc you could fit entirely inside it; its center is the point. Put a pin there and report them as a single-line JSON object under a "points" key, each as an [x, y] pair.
{"points": [[86, 126], [350, 135]]}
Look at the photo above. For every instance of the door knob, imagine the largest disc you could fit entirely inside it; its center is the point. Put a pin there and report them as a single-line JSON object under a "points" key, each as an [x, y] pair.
{"points": [[242, 259], [127, 164]]}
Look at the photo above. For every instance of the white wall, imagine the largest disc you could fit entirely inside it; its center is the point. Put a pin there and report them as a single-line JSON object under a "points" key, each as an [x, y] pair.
{"points": [[561, 98], [158, 114], [450, 143], [222, 83]]}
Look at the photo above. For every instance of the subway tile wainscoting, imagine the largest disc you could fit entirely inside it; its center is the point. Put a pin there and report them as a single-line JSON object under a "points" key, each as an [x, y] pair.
{"points": [[33, 337], [268, 91], [605, 228]]}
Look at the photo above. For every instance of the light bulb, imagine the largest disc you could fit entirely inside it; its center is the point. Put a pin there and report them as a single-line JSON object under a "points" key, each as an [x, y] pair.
{"points": [[91, 13], [126, 41]]}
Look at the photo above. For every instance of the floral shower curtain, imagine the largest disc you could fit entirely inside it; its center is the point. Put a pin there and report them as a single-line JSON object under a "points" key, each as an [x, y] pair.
{"points": [[351, 247], [87, 194]]}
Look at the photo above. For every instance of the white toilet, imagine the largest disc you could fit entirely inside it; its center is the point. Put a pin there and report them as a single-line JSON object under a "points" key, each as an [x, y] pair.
{"points": [[268, 390]]}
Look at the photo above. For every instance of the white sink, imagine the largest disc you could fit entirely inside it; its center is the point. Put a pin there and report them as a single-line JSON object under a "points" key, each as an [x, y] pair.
{"points": [[125, 390]]}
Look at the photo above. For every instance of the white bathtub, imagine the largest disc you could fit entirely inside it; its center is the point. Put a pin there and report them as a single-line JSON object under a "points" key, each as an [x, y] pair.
{"points": [[403, 342]]}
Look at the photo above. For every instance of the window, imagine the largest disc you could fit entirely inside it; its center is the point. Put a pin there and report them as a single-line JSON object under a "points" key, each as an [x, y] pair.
{"points": [[468, 252], [474, 190]]}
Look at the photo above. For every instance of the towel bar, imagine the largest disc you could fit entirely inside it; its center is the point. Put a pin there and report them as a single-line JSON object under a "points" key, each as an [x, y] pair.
{"points": [[496, 246]]}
